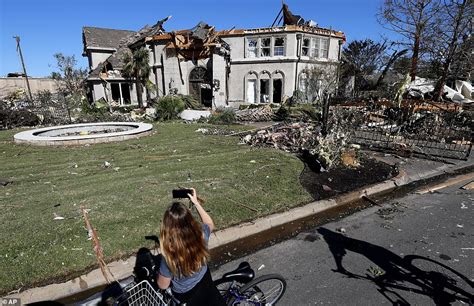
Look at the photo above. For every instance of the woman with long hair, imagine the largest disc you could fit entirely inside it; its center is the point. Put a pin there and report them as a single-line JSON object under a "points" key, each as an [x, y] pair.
{"points": [[183, 245]]}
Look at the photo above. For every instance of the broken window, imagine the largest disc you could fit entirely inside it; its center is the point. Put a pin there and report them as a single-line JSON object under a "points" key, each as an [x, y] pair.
{"points": [[125, 93], [320, 47], [115, 89], [265, 47], [315, 47], [252, 48], [264, 90], [306, 46], [279, 48], [324, 48]]}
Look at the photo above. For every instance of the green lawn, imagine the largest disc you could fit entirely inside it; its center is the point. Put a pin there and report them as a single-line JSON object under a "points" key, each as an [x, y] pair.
{"points": [[127, 199]]}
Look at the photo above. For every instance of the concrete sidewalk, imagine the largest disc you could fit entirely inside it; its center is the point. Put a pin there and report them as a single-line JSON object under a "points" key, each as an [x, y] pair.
{"points": [[411, 170]]}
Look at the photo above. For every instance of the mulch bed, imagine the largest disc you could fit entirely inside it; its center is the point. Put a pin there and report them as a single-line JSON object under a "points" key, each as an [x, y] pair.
{"points": [[339, 180]]}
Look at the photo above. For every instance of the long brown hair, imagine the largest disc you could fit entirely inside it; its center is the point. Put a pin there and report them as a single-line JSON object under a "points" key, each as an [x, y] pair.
{"points": [[182, 242]]}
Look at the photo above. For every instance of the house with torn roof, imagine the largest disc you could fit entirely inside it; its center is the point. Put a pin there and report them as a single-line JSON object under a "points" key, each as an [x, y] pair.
{"points": [[220, 68]]}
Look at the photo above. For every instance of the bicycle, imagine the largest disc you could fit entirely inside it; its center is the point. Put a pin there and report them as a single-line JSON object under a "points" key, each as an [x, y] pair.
{"points": [[237, 287]]}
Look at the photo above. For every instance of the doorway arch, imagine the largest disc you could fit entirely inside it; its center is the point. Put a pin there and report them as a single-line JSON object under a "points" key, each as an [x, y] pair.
{"points": [[200, 85]]}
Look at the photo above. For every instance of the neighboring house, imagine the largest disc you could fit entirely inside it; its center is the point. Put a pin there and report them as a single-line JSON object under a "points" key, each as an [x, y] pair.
{"points": [[220, 68]]}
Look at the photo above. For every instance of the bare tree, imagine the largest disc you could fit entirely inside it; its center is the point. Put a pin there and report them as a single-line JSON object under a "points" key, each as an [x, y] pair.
{"points": [[413, 20], [454, 26], [70, 81]]}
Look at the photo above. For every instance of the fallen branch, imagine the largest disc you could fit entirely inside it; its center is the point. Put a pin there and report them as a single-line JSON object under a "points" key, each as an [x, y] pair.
{"points": [[97, 247]]}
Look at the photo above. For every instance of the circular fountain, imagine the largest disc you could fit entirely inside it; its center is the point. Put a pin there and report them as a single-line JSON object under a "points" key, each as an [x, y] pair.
{"points": [[83, 133]]}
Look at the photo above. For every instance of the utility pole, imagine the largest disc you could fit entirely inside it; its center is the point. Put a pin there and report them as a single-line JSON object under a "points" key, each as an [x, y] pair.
{"points": [[18, 48]]}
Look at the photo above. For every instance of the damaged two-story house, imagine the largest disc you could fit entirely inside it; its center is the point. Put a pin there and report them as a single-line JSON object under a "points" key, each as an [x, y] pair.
{"points": [[220, 68]]}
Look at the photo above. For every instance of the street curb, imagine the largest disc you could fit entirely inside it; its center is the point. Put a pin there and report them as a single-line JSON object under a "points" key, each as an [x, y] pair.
{"points": [[123, 268]]}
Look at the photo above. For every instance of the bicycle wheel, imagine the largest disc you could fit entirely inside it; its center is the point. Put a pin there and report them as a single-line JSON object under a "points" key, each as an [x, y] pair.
{"points": [[442, 278], [223, 287], [264, 290]]}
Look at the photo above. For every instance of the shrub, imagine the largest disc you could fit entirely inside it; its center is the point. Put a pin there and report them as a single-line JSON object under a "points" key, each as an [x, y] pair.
{"points": [[169, 107], [17, 118], [282, 114], [222, 116], [191, 102]]}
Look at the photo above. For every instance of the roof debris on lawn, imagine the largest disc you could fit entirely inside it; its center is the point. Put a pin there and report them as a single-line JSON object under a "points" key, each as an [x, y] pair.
{"points": [[257, 114], [292, 138]]}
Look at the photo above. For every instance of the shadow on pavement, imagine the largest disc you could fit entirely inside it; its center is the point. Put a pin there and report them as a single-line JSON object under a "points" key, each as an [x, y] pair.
{"points": [[411, 273]]}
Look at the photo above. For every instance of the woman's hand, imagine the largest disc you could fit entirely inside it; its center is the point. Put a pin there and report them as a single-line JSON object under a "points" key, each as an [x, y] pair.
{"points": [[193, 196]]}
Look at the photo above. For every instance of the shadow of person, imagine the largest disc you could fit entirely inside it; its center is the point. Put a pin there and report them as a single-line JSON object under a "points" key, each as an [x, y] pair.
{"points": [[399, 273]]}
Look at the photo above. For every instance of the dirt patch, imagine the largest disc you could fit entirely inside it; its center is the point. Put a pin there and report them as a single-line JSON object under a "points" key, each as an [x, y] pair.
{"points": [[342, 179]]}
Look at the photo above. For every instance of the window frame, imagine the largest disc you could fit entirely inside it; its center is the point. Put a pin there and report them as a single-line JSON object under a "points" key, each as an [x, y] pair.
{"points": [[283, 46]]}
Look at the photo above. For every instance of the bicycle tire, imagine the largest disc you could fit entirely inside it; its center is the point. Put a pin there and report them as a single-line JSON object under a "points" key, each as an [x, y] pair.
{"points": [[264, 290]]}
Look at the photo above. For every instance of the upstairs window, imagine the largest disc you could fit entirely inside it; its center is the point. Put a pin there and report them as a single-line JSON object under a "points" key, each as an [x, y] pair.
{"points": [[315, 48], [252, 48], [324, 51], [320, 47], [306, 45], [265, 47], [279, 47]]}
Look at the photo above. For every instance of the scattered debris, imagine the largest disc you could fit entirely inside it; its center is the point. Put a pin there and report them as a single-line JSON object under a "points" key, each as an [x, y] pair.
{"points": [[468, 186], [375, 271], [444, 257], [341, 230], [261, 267], [256, 114], [4, 182], [57, 217], [349, 159], [106, 164], [326, 188]]}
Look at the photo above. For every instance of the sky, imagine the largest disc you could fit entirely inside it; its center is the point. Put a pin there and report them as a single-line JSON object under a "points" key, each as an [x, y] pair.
{"points": [[47, 27]]}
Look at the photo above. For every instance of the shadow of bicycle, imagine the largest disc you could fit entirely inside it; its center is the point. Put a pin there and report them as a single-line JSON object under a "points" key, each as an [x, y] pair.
{"points": [[411, 273]]}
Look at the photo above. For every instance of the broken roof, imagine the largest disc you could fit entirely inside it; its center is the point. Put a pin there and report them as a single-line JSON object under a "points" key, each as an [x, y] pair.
{"points": [[123, 45], [103, 38]]}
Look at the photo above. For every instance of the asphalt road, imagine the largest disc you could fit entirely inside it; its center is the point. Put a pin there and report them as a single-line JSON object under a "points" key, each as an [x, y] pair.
{"points": [[414, 250]]}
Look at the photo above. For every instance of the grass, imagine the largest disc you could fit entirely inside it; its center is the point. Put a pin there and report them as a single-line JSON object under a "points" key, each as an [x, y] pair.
{"points": [[127, 199]]}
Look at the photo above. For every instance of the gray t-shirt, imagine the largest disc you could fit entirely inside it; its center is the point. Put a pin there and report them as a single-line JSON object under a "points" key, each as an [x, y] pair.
{"points": [[186, 283]]}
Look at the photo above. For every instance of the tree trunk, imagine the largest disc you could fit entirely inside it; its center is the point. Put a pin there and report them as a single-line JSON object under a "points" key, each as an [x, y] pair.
{"points": [[393, 58], [438, 92], [414, 58], [139, 93]]}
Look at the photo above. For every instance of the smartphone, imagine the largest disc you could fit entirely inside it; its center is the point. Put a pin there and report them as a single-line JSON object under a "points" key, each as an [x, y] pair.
{"points": [[181, 193]]}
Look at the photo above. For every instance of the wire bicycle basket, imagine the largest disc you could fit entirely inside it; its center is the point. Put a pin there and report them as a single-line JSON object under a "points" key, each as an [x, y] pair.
{"points": [[141, 294]]}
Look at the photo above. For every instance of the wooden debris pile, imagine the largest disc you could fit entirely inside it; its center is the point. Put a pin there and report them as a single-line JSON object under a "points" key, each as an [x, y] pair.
{"points": [[255, 114], [292, 138]]}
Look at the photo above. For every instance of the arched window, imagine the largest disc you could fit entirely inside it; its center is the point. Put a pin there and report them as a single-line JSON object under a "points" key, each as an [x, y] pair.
{"points": [[251, 80], [278, 81], [264, 83]]}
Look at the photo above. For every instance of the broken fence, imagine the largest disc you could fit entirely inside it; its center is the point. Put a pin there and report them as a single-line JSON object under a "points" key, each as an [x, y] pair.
{"points": [[426, 135]]}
